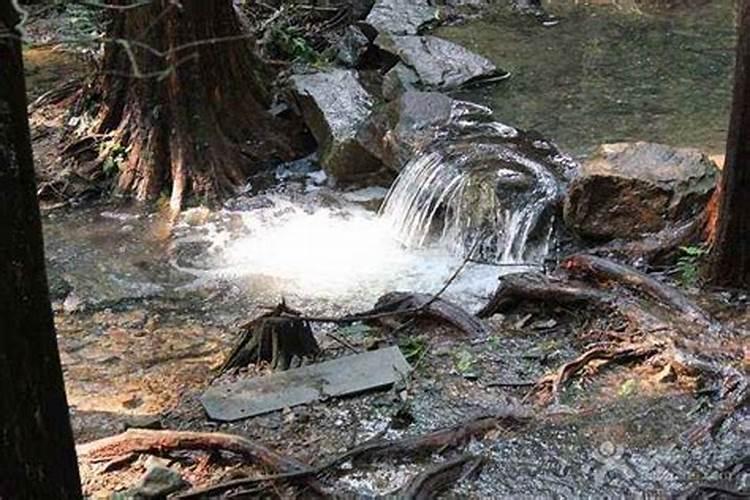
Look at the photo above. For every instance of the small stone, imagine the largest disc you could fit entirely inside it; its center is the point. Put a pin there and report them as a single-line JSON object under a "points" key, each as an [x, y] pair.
{"points": [[143, 422], [158, 482], [544, 325], [72, 303]]}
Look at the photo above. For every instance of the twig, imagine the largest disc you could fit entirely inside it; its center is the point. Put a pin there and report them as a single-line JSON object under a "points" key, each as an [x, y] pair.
{"points": [[343, 342]]}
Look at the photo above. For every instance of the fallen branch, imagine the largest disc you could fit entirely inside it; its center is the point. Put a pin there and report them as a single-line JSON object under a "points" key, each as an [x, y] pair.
{"points": [[437, 479]]}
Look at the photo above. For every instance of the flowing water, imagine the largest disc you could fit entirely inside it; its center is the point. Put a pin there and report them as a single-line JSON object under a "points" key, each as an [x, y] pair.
{"points": [[481, 187]]}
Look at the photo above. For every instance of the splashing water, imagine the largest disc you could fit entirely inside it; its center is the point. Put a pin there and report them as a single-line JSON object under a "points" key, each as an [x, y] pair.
{"points": [[480, 184]]}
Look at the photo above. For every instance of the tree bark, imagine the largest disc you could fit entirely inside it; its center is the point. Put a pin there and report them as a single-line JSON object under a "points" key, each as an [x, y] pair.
{"points": [[37, 457], [730, 255], [182, 93]]}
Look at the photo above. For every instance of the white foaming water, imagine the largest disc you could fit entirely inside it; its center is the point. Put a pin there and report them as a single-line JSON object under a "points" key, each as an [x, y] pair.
{"points": [[346, 256]]}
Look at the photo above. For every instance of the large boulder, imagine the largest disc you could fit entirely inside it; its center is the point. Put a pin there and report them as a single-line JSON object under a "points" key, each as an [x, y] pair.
{"points": [[431, 63], [626, 190], [402, 17], [335, 107]]}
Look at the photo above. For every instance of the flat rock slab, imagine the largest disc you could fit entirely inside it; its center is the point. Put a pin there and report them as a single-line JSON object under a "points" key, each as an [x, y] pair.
{"points": [[436, 63], [402, 17], [337, 377]]}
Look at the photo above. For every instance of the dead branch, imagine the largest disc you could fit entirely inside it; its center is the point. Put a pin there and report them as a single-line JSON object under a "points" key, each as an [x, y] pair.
{"points": [[439, 478]]}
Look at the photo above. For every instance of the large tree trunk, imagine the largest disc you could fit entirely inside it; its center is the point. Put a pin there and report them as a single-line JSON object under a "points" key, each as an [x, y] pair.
{"points": [[37, 458], [183, 94], [730, 255]]}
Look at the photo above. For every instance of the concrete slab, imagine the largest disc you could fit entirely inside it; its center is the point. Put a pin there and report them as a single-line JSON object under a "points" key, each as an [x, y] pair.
{"points": [[337, 377]]}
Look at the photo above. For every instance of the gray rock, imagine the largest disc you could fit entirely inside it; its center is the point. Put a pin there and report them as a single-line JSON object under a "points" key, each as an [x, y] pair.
{"points": [[335, 107], [352, 47], [626, 190], [158, 482], [410, 122], [439, 64], [402, 17], [399, 79]]}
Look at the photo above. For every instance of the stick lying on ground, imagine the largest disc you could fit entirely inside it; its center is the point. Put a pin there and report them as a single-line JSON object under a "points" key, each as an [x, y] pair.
{"points": [[439, 478]]}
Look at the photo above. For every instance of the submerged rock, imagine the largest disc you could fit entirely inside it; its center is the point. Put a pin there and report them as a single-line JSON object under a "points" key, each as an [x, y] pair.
{"points": [[402, 17], [629, 189], [437, 64], [335, 107]]}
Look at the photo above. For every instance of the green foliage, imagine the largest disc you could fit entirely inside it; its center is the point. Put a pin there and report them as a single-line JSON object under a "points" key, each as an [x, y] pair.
{"points": [[116, 154], [464, 362], [291, 44], [627, 388], [355, 329], [688, 265], [413, 348]]}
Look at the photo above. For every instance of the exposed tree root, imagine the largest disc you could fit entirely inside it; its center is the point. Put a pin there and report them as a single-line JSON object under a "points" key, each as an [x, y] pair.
{"points": [[602, 270], [537, 287], [277, 337], [658, 247], [607, 354], [663, 323], [137, 441], [436, 441], [441, 477]]}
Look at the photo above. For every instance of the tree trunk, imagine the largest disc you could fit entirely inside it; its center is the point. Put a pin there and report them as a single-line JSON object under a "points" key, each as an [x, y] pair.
{"points": [[183, 95], [37, 457], [730, 255]]}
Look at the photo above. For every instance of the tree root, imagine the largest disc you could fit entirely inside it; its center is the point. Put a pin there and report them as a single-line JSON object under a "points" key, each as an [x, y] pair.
{"points": [[662, 322], [436, 441], [608, 354], [441, 477], [277, 337], [137, 441]]}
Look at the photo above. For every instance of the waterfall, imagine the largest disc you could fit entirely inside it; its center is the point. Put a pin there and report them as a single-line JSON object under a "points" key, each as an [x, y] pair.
{"points": [[480, 185]]}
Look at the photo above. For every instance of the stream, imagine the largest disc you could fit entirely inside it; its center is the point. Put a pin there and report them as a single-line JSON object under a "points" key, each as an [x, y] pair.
{"points": [[116, 272]]}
